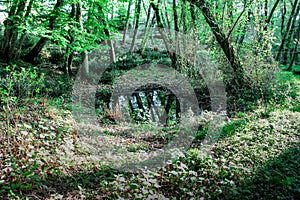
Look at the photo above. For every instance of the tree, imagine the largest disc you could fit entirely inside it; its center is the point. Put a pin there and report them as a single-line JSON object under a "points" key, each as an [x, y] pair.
{"points": [[34, 52], [16, 18], [69, 50], [127, 20], [295, 9], [223, 41], [102, 20], [84, 54], [137, 20]]}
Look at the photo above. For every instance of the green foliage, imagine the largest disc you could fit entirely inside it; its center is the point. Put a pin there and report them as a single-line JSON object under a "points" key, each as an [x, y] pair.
{"points": [[19, 84], [33, 146], [60, 86], [16, 84], [232, 127], [137, 147], [280, 175], [256, 157]]}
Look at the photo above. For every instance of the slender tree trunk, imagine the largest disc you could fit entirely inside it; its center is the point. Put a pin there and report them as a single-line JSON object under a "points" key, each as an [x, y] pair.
{"points": [[295, 53], [165, 18], [84, 54], [176, 28], [147, 29], [268, 19], [283, 13], [148, 16], [287, 47], [162, 33], [151, 106], [182, 47], [230, 9], [130, 104], [288, 26], [175, 15], [236, 22], [183, 17], [140, 104], [240, 40], [106, 32], [137, 14], [69, 50], [266, 6], [112, 10], [193, 15], [171, 99], [127, 20], [151, 29], [223, 13]]}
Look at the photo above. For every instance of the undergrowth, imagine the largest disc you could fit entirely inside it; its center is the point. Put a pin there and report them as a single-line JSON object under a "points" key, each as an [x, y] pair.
{"points": [[42, 157]]}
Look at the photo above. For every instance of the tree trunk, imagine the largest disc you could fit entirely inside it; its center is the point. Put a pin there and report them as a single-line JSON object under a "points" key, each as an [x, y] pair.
{"points": [[236, 22], [165, 17], [222, 40], [283, 13], [266, 9], [106, 32], [127, 21], [183, 17], [171, 99], [295, 53], [148, 29], [34, 52], [288, 26], [19, 47], [14, 37], [176, 28], [140, 104], [69, 51], [151, 107], [85, 58], [240, 40], [230, 9], [11, 30], [268, 20], [8, 24], [288, 47], [137, 14], [160, 29], [193, 15]]}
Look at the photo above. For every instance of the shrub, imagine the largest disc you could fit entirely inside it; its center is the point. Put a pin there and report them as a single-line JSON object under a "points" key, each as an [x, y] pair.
{"points": [[22, 83]]}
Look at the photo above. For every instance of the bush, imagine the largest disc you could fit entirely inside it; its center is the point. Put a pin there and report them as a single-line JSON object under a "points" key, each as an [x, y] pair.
{"points": [[16, 84], [59, 87]]}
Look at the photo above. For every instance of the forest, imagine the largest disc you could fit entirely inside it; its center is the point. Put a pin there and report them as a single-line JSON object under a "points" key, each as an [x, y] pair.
{"points": [[149, 99]]}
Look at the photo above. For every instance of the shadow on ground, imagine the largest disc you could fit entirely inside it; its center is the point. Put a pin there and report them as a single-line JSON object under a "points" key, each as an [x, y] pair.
{"points": [[278, 179]]}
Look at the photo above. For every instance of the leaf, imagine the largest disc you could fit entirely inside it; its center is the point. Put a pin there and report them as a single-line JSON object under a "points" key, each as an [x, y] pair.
{"points": [[133, 186], [27, 126], [24, 133]]}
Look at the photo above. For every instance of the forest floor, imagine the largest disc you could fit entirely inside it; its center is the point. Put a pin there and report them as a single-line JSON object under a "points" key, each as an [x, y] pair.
{"points": [[45, 156]]}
